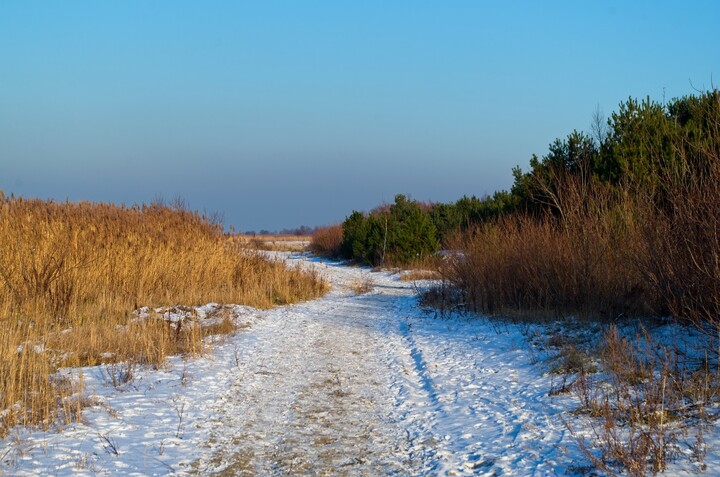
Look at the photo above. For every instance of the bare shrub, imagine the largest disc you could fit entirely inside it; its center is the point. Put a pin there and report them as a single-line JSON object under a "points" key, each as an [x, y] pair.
{"points": [[522, 264], [327, 241], [442, 298], [683, 241]]}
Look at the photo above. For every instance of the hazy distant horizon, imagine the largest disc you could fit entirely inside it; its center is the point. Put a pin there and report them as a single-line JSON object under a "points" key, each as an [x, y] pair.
{"points": [[282, 114]]}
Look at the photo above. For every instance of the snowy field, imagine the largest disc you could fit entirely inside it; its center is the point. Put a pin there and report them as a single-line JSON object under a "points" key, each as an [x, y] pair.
{"points": [[349, 385]]}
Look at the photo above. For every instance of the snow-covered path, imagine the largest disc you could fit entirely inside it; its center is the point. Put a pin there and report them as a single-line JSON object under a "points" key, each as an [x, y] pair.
{"points": [[345, 385], [367, 385]]}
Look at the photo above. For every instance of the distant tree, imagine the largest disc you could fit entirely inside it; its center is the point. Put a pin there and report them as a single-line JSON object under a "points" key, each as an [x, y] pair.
{"points": [[413, 234], [304, 230], [397, 233], [379, 238], [355, 232], [446, 218]]}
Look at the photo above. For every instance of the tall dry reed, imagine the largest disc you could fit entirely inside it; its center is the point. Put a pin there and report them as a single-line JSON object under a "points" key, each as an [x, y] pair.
{"points": [[72, 273]]}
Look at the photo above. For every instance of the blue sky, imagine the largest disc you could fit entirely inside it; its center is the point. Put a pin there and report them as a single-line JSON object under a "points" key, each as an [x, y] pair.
{"points": [[286, 113]]}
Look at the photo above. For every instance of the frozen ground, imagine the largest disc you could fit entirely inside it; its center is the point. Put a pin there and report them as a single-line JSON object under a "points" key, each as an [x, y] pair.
{"points": [[345, 385]]}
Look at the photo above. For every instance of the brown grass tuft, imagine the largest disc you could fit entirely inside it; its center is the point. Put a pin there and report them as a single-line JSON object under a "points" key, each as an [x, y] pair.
{"points": [[362, 286]]}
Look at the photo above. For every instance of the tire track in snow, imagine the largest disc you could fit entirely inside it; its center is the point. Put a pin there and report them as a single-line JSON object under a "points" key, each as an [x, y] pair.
{"points": [[426, 382]]}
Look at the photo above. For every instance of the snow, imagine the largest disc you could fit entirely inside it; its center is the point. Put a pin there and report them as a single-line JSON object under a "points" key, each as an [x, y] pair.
{"points": [[344, 385]]}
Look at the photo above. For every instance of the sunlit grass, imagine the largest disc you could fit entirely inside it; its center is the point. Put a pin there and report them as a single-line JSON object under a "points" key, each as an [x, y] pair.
{"points": [[72, 274]]}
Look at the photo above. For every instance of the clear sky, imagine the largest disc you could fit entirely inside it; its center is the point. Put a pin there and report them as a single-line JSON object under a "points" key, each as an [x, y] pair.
{"points": [[286, 113]]}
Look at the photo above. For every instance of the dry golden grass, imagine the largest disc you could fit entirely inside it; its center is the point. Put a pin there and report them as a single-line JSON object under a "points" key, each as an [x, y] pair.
{"points": [[415, 275], [71, 275], [276, 238], [274, 243]]}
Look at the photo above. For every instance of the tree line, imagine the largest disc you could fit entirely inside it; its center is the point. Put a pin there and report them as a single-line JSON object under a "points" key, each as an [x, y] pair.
{"points": [[643, 150]]}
